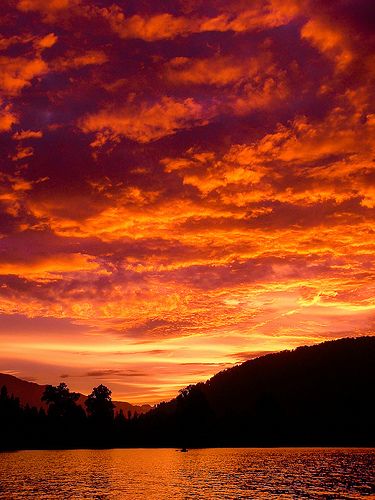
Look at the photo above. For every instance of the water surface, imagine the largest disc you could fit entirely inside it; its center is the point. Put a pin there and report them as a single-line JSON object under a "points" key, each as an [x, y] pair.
{"points": [[226, 473]]}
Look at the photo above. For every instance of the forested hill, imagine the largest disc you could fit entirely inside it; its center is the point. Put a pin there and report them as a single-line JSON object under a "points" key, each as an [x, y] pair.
{"points": [[321, 395], [30, 393], [315, 395]]}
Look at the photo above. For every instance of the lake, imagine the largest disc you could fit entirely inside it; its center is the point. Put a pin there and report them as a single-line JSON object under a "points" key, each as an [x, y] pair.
{"points": [[225, 473]]}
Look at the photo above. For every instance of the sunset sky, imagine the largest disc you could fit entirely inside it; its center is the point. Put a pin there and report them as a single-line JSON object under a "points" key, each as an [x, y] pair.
{"points": [[184, 184]]}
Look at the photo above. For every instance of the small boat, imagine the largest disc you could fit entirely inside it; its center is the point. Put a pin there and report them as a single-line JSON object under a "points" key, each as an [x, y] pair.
{"points": [[184, 450]]}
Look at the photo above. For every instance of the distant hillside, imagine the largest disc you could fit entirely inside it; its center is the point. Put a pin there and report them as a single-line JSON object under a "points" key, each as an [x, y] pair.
{"points": [[31, 393], [318, 395], [321, 395]]}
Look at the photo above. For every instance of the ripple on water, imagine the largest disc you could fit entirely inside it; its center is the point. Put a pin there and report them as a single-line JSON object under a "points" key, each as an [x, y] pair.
{"points": [[225, 473]]}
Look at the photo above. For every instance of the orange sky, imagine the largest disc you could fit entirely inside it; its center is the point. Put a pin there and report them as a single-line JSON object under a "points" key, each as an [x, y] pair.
{"points": [[184, 185]]}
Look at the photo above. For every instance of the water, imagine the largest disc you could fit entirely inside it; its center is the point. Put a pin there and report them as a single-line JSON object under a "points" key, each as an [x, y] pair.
{"points": [[165, 474]]}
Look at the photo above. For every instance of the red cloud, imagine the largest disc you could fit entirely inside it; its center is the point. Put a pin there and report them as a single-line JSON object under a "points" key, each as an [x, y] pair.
{"points": [[147, 122], [27, 134], [18, 72], [46, 6], [7, 117], [167, 26]]}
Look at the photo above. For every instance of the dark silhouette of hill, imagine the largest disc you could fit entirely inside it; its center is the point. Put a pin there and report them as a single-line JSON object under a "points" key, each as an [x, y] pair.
{"points": [[30, 393], [321, 395], [317, 395]]}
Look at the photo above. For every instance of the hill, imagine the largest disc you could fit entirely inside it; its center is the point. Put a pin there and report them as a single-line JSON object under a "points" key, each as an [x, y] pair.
{"points": [[30, 393], [317, 395], [320, 395]]}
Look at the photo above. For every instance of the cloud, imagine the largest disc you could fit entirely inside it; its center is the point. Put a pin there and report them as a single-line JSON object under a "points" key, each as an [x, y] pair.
{"points": [[157, 27], [79, 60], [27, 134], [167, 26], [49, 265], [47, 41], [254, 173], [12, 193], [329, 40], [6, 42], [22, 153], [213, 71], [147, 122], [45, 6], [18, 72], [7, 117], [110, 372], [241, 357]]}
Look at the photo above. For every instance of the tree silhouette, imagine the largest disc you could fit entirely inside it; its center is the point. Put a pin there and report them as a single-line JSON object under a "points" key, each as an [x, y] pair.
{"points": [[61, 402], [99, 404], [11, 420], [120, 418], [193, 415], [10, 408], [4, 393]]}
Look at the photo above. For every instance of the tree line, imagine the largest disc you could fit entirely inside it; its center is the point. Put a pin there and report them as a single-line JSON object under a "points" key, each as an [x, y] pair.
{"points": [[320, 395], [64, 423]]}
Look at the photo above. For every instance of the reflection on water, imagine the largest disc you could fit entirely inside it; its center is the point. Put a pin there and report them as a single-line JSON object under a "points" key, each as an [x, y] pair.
{"points": [[210, 473]]}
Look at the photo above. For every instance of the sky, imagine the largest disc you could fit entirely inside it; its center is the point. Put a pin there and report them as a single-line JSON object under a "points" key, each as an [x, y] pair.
{"points": [[184, 185]]}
